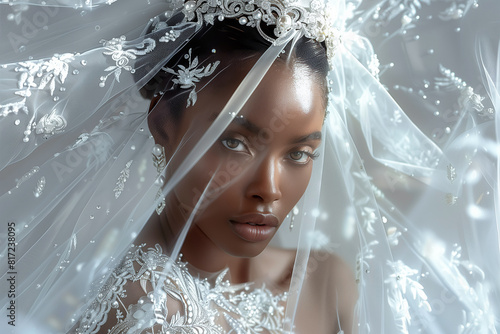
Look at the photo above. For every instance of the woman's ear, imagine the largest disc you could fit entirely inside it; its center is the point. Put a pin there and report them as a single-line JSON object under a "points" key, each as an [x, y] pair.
{"points": [[160, 121], [154, 101]]}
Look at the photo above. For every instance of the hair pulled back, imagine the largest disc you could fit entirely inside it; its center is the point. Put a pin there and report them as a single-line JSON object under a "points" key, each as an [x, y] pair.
{"points": [[230, 40]]}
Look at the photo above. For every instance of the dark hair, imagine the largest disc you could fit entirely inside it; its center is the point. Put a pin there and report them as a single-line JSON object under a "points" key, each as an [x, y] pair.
{"points": [[231, 39]]}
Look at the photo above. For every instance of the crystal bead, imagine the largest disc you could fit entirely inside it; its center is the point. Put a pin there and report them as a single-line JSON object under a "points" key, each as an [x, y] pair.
{"points": [[157, 151], [285, 22], [190, 6]]}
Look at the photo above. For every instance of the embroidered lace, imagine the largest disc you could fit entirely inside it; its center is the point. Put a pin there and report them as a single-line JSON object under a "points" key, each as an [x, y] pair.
{"points": [[187, 304]]}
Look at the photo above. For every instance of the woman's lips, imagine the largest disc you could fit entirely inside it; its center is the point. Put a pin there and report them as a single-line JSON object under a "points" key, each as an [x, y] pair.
{"points": [[255, 227]]}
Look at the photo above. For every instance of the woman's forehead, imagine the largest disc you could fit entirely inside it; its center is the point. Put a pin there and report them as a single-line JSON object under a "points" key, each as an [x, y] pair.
{"points": [[284, 82], [288, 93]]}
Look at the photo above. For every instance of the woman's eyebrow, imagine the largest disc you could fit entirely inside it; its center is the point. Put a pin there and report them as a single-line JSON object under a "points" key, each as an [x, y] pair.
{"points": [[242, 121], [313, 136]]}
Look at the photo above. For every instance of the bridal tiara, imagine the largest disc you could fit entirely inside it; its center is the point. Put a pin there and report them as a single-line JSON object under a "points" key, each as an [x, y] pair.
{"points": [[314, 18]]}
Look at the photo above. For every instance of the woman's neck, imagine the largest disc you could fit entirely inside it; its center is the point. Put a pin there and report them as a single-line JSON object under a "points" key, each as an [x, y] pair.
{"points": [[198, 250], [203, 254]]}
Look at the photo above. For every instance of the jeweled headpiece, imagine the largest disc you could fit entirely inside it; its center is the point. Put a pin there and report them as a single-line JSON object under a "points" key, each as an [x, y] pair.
{"points": [[315, 20]]}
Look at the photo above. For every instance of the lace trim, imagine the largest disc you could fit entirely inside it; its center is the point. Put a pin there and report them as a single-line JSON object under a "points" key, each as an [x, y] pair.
{"points": [[201, 307]]}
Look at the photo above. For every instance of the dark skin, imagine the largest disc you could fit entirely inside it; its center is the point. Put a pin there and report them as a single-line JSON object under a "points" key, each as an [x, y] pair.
{"points": [[250, 174]]}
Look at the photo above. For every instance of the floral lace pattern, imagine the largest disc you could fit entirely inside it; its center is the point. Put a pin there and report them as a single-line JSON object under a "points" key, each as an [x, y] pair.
{"points": [[37, 76], [187, 77], [203, 307], [116, 48]]}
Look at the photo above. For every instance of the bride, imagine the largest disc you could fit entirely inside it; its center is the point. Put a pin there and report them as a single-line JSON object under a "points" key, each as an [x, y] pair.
{"points": [[248, 180], [242, 167]]}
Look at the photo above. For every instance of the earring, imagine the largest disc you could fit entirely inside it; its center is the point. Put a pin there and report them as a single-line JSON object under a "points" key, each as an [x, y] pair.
{"points": [[295, 211], [159, 162]]}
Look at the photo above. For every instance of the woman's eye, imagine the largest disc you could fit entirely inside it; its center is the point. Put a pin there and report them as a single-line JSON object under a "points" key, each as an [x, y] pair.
{"points": [[298, 156], [234, 144], [302, 157]]}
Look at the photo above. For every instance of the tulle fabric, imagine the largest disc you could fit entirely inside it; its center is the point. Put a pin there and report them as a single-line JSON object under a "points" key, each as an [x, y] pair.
{"points": [[405, 189]]}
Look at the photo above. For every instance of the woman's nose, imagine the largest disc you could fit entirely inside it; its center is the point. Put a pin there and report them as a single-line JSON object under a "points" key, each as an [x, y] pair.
{"points": [[264, 183]]}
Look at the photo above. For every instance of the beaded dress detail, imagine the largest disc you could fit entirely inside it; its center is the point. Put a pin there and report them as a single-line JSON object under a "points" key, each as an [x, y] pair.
{"points": [[185, 304]]}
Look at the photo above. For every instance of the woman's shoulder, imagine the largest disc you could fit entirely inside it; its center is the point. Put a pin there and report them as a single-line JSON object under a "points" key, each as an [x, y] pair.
{"points": [[330, 284], [277, 265], [329, 262], [329, 291]]}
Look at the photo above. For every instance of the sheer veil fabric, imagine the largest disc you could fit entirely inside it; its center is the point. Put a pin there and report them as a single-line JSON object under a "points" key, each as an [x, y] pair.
{"points": [[403, 187]]}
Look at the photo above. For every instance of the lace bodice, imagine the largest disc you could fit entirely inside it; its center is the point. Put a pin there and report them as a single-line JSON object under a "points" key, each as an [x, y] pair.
{"points": [[182, 303]]}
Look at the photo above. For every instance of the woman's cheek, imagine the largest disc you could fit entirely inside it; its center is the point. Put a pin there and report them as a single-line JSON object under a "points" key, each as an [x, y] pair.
{"points": [[207, 179], [294, 180]]}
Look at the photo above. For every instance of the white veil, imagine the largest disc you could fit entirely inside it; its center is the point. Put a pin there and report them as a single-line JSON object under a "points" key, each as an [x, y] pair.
{"points": [[405, 188]]}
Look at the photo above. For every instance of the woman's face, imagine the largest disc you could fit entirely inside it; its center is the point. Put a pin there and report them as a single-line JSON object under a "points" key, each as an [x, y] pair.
{"points": [[261, 165]]}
